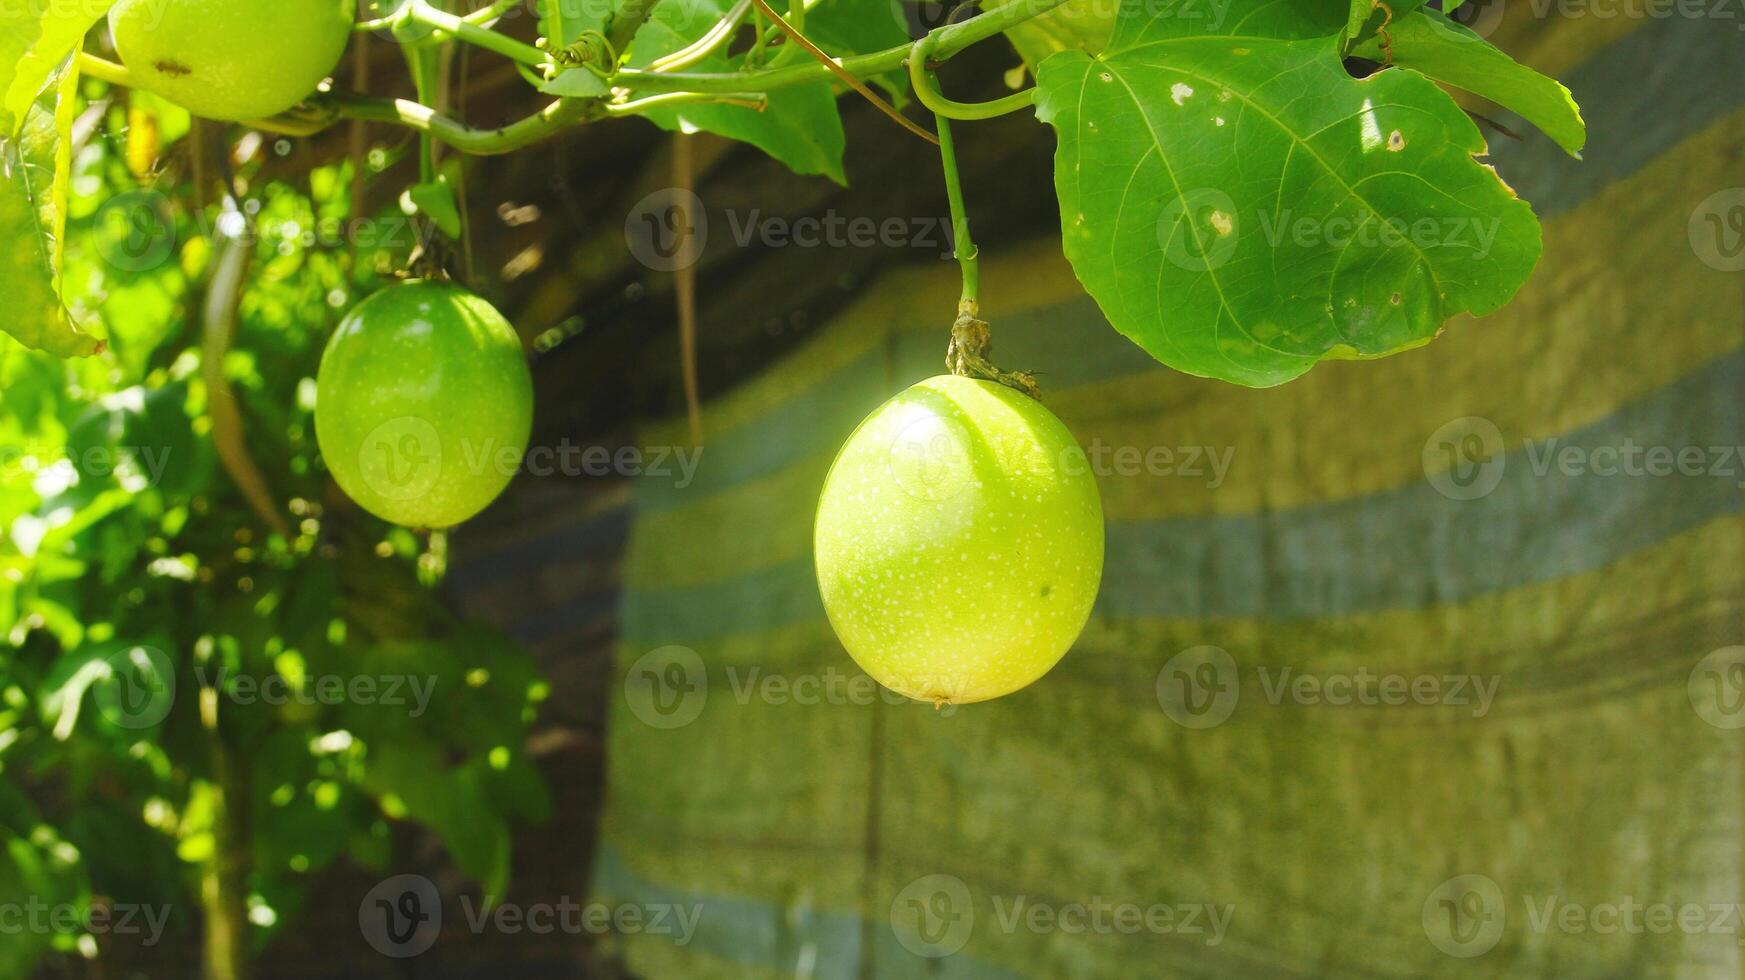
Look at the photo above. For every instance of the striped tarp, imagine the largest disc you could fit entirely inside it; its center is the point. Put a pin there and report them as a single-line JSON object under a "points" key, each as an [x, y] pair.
{"points": [[1563, 765]]}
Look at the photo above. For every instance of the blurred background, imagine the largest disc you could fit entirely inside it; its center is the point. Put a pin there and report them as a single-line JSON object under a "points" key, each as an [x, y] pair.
{"points": [[1429, 666]]}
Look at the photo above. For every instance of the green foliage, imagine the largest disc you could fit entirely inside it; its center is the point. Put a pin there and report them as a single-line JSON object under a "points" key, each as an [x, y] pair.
{"points": [[136, 585], [32, 217], [1242, 208], [801, 126], [1236, 202], [1427, 42]]}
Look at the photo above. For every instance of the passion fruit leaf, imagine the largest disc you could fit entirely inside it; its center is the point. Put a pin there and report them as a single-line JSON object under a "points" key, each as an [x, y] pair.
{"points": [[33, 199], [38, 38], [1242, 208], [1427, 42], [800, 127]]}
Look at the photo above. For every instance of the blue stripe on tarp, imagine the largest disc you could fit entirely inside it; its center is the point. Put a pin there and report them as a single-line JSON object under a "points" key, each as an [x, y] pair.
{"points": [[602, 534], [766, 935], [1408, 547]]}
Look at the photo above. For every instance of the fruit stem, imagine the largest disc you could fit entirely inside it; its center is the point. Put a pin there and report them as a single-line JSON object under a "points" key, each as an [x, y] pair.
{"points": [[962, 246]]}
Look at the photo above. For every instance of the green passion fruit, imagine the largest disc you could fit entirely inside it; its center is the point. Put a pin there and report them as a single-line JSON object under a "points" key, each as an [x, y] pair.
{"points": [[423, 404], [959, 541], [231, 59]]}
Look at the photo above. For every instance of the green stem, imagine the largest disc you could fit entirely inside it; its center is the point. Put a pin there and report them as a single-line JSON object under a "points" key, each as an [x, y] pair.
{"points": [[325, 109], [948, 41], [706, 45], [760, 38], [553, 118], [462, 29], [626, 20], [424, 61], [963, 248], [754, 100], [487, 16], [927, 91]]}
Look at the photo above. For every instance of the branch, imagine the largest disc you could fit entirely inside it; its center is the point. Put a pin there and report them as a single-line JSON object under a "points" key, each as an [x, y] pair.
{"points": [[798, 37], [325, 109], [947, 42], [222, 299], [627, 21]]}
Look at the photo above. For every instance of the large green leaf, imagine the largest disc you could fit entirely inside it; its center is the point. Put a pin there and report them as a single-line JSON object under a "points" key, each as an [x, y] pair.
{"points": [[32, 217], [1428, 42], [800, 127], [1242, 208], [38, 38]]}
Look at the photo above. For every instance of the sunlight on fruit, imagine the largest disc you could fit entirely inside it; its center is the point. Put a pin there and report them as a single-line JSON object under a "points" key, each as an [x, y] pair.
{"points": [[959, 541], [423, 404], [227, 60]]}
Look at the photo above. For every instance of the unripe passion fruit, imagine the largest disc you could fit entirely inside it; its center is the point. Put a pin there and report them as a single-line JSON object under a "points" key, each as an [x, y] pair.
{"points": [[423, 404], [231, 59], [959, 541]]}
